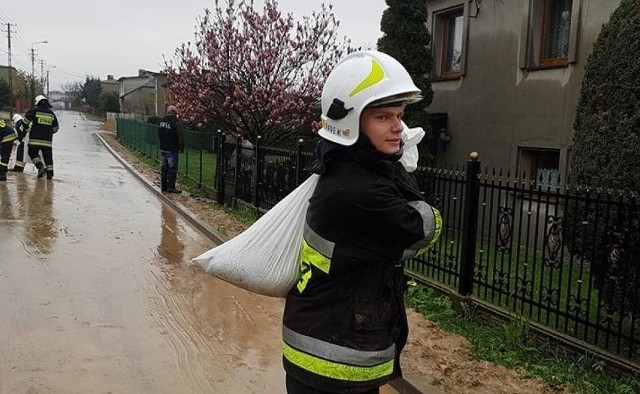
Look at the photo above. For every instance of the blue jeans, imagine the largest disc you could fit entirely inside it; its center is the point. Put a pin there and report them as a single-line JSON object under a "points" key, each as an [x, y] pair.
{"points": [[170, 162], [169, 168]]}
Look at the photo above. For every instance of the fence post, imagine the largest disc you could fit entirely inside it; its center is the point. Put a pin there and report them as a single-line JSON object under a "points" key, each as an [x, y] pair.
{"points": [[256, 170], [236, 175], [219, 180], [469, 225], [201, 135], [299, 163]]}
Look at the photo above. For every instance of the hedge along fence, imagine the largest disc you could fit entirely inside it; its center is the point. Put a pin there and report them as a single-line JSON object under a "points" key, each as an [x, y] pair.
{"points": [[504, 245]]}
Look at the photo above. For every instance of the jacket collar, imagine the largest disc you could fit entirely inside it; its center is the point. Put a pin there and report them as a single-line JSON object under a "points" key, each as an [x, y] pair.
{"points": [[362, 152]]}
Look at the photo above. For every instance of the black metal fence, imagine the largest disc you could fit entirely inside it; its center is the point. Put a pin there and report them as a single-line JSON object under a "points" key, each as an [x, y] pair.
{"points": [[566, 258]]}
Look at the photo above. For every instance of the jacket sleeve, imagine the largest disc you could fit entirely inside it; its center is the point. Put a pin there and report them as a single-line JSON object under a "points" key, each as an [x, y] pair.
{"points": [[29, 117], [21, 130], [55, 124], [383, 225]]}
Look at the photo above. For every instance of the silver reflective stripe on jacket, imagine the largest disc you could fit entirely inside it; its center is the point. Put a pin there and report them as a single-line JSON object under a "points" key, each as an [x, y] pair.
{"points": [[428, 228], [319, 244], [336, 353]]}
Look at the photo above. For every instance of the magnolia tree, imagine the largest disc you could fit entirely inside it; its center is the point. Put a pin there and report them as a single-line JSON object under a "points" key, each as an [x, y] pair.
{"points": [[259, 74]]}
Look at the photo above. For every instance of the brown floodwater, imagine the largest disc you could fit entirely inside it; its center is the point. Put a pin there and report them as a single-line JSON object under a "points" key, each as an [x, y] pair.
{"points": [[98, 294]]}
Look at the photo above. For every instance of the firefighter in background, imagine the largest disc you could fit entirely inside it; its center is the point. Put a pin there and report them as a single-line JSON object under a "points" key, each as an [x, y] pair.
{"points": [[43, 124], [7, 136], [21, 130]]}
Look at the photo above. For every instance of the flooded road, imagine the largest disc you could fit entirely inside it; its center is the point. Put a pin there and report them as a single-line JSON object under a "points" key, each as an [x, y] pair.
{"points": [[98, 295]]}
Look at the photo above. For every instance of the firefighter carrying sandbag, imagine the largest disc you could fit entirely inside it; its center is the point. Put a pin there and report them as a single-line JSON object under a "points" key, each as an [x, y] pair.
{"points": [[43, 124]]}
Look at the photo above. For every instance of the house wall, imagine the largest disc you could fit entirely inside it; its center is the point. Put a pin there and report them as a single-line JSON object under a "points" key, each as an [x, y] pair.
{"points": [[143, 95], [496, 107]]}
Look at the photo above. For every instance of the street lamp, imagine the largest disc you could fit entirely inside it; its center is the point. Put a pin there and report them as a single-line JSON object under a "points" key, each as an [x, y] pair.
{"points": [[33, 71]]}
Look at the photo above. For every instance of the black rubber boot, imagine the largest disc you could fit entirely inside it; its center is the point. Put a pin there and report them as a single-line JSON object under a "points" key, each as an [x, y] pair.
{"points": [[41, 169], [49, 174], [163, 180], [171, 185]]}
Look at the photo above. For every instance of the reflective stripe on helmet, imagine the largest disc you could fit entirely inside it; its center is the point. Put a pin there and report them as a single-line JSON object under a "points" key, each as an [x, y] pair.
{"points": [[376, 75]]}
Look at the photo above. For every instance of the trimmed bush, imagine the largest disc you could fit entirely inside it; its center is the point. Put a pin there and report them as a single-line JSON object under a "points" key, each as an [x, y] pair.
{"points": [[605, 157]]}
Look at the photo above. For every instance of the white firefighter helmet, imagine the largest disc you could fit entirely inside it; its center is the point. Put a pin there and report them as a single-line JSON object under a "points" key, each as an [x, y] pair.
{"points": [[17, 118], [39, 98], [361, 79]]}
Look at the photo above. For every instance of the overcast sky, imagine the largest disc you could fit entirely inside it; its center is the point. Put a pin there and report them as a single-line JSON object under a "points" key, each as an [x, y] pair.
{"points": [[119, 37]]}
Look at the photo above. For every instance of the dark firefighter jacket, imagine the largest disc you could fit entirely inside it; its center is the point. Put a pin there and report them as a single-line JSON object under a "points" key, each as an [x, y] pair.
{"points": [[170, 134], [43, 124], [344, 323], [6, 133]]}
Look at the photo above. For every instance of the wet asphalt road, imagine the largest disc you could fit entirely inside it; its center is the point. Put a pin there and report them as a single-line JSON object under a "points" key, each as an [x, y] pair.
{"points": [[97, 294]]}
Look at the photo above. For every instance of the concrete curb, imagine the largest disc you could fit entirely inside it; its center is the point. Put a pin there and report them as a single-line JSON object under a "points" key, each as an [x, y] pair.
{"points": [[414, 384], [409, 384]]}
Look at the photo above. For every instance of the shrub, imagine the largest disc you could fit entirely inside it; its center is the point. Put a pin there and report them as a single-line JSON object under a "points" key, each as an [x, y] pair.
{"points": [[605, 156]]}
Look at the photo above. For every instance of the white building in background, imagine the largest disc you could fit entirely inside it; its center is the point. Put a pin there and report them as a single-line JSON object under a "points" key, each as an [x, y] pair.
{"points": [[59, 100]]}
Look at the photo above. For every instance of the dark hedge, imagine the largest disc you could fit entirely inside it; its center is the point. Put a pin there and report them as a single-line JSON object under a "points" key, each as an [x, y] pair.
{"points": [[605, 156]]}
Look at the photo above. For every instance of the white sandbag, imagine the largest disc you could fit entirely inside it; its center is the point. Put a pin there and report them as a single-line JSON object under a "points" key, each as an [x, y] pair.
{"points": [[265, 258]]}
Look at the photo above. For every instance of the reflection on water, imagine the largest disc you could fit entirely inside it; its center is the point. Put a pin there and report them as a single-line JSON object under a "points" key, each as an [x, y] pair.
{"points": [[171, 247], [40, 227], [229, 327]]}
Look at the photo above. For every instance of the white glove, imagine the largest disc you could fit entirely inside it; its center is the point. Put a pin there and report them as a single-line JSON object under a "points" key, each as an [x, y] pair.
{"points": [[410, 155]]}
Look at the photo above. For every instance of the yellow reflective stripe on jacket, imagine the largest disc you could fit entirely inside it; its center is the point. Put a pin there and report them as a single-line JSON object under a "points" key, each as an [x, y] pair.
{"points": [[437, 231], [310, 257], [429, 228], [45, 118], [335, 370], [8, 138], [375, 76], [313, 257], [334, 352], [44, 143], [315, 251]]}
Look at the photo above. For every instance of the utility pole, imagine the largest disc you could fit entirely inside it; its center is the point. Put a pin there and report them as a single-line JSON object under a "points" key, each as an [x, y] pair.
{"points": [[33, 74], [11, 101], [33, 68], [42, 74]]}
